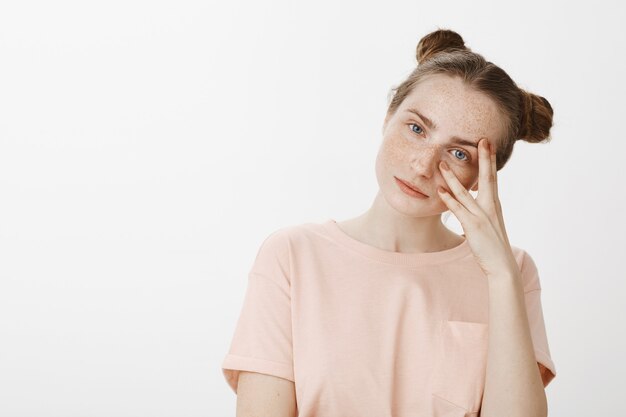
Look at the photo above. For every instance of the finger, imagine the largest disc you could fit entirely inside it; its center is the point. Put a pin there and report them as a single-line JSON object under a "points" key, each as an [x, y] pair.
{"points": [[494, 172], [485, 171], [454, 206], [494, 188], [459, 192]]}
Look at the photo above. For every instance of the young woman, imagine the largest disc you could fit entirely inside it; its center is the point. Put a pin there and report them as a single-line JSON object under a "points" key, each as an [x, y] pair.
{"points": [[391, 313]]}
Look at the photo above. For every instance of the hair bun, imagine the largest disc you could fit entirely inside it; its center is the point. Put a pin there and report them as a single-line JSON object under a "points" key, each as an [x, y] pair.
{"points": [[536, 118], [441, 40]]}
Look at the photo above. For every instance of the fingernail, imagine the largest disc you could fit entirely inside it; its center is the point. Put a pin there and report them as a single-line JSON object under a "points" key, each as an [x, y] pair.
{"points": [[444, 165]]}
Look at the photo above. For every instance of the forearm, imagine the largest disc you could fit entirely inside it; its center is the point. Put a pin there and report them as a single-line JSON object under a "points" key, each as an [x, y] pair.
{"points": [[513, 385]]}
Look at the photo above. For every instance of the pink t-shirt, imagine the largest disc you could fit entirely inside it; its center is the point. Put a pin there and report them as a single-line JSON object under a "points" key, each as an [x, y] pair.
{"points": [[366, 332]]}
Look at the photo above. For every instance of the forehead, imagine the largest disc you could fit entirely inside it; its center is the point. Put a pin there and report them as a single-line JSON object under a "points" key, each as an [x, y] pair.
{"points": [[454, 107]]}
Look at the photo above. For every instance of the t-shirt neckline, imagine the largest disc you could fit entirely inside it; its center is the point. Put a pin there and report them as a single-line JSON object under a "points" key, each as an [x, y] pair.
{"points": [[398, 258]]}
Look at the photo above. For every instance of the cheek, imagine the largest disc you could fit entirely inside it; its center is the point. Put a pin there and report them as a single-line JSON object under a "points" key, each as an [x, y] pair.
{"points": [[393, 151], [466, 176]]}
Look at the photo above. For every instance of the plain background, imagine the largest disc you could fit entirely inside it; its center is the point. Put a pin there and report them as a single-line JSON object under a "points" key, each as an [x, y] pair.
{"points": [[149, 147]]}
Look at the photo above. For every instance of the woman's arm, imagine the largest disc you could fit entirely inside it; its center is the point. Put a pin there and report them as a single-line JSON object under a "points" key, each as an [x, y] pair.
{"points": [[513, 382], [261, 395]]}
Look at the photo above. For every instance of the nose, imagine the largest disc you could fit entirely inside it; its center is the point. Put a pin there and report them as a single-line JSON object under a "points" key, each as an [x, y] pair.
{"points": [[424, 161]]}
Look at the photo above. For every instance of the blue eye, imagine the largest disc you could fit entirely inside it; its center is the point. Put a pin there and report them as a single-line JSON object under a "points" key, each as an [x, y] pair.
{"points": [[413, 124], [466, 157]]}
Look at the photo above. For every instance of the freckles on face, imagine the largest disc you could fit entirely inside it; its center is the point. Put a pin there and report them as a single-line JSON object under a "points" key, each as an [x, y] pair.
{"points": [[402, 156], [457, 110], [395, 150]]}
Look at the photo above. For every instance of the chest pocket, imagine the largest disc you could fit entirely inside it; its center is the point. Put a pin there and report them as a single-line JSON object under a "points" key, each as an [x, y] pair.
{"points": [[459, 369]]}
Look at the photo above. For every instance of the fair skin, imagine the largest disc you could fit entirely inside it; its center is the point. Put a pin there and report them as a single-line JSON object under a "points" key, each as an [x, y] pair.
{"points": [[411, 151], [415, 152], [428, 158], [261, 395]]}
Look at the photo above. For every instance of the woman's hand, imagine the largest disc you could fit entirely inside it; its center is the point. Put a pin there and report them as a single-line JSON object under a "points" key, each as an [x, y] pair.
{"points": [[481, 218]]}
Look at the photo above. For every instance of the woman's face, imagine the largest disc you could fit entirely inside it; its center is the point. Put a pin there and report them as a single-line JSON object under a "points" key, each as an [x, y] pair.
{"points": [[413, 147]]}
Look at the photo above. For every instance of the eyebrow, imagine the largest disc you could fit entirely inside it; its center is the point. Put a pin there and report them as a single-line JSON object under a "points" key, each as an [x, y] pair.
{"points": [[433, 126]]}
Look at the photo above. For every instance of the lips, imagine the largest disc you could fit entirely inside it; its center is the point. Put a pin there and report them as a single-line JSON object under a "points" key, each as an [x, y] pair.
{"points": [[412, 187]]}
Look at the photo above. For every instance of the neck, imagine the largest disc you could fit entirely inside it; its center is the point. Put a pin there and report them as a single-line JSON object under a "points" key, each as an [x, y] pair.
{"points": [[386, 228]]}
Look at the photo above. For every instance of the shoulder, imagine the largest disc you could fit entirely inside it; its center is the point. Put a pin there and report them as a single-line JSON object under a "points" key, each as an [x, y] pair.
{"points": [[287, 236], [277, 248], [528, 268]]}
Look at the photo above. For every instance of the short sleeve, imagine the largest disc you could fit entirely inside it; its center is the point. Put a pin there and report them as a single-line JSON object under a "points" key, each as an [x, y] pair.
{"points": [[262, 340], [534, 310]]}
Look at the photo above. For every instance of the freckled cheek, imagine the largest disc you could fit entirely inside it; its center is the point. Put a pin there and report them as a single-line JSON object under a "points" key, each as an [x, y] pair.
{"points": [[394, 152], [466, 176]]}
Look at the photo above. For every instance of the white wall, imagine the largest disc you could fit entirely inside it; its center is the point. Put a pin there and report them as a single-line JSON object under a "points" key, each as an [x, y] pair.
{"points": [[148, 147]]}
